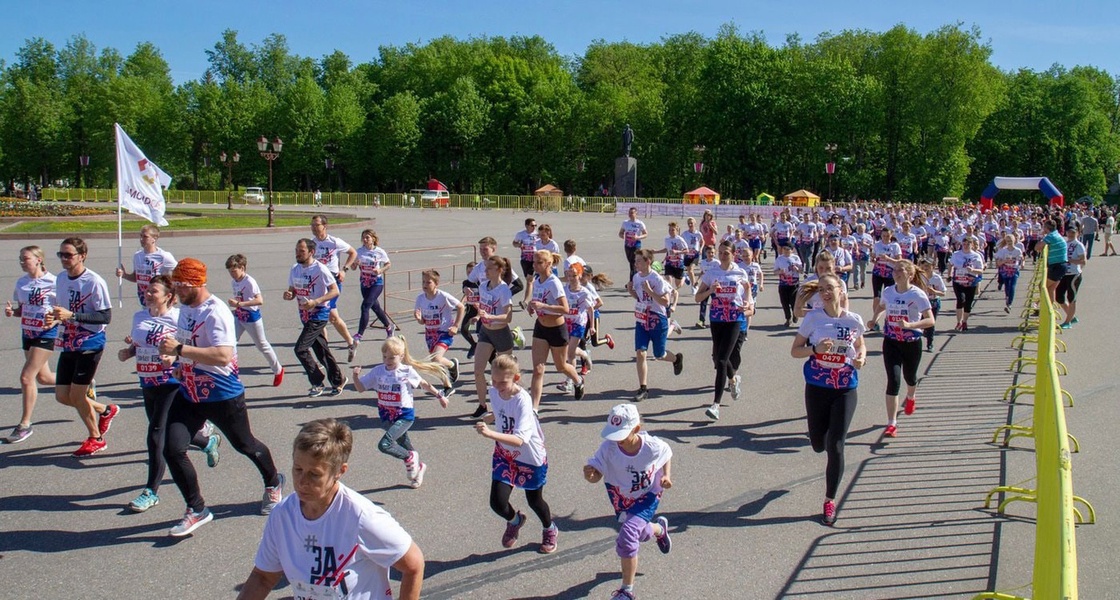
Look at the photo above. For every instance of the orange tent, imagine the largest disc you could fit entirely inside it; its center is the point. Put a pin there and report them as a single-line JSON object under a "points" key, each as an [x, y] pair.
{"points": [[548, 190], [702, 195], [802, 197]]}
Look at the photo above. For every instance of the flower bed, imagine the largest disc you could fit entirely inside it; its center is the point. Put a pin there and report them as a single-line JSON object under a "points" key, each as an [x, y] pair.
{"points": [[10, 207]]}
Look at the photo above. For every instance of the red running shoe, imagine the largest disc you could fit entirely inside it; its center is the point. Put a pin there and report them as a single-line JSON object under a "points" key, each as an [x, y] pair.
{"points": [[908, 406], [278, 378], [610, 341], [891, 431], [90, 446], [105, 419], [828, 517]]}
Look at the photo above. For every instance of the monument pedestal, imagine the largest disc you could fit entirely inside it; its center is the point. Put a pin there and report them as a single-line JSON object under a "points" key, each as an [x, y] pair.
{"points": [[625, 177]]}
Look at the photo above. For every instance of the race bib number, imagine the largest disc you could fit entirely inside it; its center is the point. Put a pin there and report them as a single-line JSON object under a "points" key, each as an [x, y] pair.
{"points": [[310, 591]]}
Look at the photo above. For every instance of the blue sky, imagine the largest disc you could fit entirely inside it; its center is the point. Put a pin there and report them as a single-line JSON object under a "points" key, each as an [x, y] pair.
{"points": [[1029, 34]]}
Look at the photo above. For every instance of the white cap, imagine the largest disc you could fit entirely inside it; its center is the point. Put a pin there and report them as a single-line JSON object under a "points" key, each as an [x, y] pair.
{"points": [[622, 419]]}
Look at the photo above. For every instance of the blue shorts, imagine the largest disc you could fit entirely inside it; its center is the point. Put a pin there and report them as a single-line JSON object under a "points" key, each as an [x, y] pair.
{"points": [[576, 331], [755, 244], [333, 304], [643, 337], [516, 474], [436, 339]]}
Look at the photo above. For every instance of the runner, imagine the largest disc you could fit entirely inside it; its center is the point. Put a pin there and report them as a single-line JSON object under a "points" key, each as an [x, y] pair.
{"points": [[788, 267], [158, 384], [967, 265], [246, 304], [934, 287], [550, 334], [311, 285], [1009, 259], [908, 312], [327, 250], [707, 261], [632, 233], [526, 242], [393, 382], [34, 297], [709, 229], [885, 253], [580, 321], [353, 542], [495, 312], [675, 250], [209, 389], [441, 314], [731, 304], [695, 243], [831, 338], [84, 309], [652, 295], [519, 458], [862, 242], [150, 260], [372, 263]]}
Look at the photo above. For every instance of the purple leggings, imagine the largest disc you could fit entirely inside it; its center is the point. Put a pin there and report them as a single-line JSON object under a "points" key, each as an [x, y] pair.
{"points": [[632, 533]]}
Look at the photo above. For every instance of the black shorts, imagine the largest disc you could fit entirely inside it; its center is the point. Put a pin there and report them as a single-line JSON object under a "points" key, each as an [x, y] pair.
{"points": [[674, 272], [39, 342], [1055, 271], [77, 368], [1067, 288], [878, 282], [527, 268], [690, 260], [556, 337], [500, 339]]}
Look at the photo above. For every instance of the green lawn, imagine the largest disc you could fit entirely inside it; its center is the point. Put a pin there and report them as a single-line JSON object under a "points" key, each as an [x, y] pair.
{"points": [[178, 221]]}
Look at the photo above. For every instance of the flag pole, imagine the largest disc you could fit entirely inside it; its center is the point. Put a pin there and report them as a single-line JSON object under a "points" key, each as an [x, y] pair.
{"points": [[120, 239]]}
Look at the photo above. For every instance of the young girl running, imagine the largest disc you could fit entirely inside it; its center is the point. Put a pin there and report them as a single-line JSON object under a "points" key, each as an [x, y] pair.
{"points": [[495, 309], [886, 253], [825, 264], [908, 312], [831, 338], [519, 458], [580, 320], [593, 281], [788, 267], [246, 305], [441, 314], [34, 297], [373, 262], [394, 380], [707, 261], [966, 267], [550, 334], [652, 295], [934, 287], [729, 290]]}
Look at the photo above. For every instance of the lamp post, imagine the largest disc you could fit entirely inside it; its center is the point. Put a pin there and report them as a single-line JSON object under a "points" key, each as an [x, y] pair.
{"points": [[83, 163], [263, 147], [228, 162], [830, 167]]}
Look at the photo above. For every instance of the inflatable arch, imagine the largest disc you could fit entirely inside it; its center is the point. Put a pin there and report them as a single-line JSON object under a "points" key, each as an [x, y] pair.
{"points": [[1041, 184]]}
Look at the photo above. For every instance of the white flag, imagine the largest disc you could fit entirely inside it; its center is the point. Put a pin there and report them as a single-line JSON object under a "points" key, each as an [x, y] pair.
{"points": [[140, 182]]}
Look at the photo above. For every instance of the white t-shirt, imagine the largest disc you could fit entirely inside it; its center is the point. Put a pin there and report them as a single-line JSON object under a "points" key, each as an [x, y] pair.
{"points": [[515, 417], [631, 230], [628, 476], [327, 251], [646, 306], [833, 369], [147, 265], [437, 312], [311, 281], [904, 306], [1013, 254], [1075, 250], [528, 244], [147, 333], [345, 553], [549, 292], [85, 294], [788, 269], [730, 293], [208, 325], [243, 291], [35, 298], [370, 260], [961, 262], [393, 389], [493, 301]]}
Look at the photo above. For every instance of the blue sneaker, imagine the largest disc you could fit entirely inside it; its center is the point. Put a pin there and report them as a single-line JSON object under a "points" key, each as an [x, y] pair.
{"points": [[144, 501], [1075, 321], [664, 543], [211, 450]]}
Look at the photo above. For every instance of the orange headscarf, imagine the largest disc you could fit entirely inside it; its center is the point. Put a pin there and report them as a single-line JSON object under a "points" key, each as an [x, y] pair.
{"points": [[190, 271]]}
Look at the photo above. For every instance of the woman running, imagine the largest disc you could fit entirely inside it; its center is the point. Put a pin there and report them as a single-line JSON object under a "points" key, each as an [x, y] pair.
{"points": [[1009, 259], [788, 267], [550, 334], [934, 287], [373, 262], [731, 304], [34, 297], [908, 312], [831, 338], [966, 267], [495, 310], [886, 253]]}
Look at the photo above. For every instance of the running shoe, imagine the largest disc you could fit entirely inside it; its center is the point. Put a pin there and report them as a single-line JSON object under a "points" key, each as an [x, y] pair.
{"points": [[736, 387], [519, 337], [211, 450], [509, 538], [478, 412], [678, 364], [1075, 320], [641, 395], [1007, 308], [548, 540], [578, 389], [410, 463], [191, 521], [19, 433], [795, 323], [447, 391], [418, 479], [700, 325], [336, 390], [908, 406], [664, 543], [964, 326], [828, 516], [787, 322], [1065, 326], [929, 347], [315, 391], [453, 372], [470, 353], [272, 496], [623, 594], [565, 386], [144, 501], [207, 429], [585, 368], [278, 378], [610, 341], [390, 331], [713, 412], [891, 431], [874, 326], [90, 446], [352, 349], [105, 419], [675, 327]]}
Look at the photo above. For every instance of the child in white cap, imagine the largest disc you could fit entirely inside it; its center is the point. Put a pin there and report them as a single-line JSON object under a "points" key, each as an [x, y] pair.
{"points": [[634, 465]]}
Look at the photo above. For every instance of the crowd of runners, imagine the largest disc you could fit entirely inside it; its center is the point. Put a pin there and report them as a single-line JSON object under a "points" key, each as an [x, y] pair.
{"points": [[183, 343]]}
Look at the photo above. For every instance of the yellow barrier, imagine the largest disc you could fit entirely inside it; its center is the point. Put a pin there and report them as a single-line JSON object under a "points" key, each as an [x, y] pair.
{"points": [[1055, 547]]}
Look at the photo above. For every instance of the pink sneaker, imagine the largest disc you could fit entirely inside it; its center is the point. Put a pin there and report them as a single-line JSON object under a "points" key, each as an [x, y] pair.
{"points": [[828, 517], [891, 431], [510, 536], [908, 406], [548, 540]]}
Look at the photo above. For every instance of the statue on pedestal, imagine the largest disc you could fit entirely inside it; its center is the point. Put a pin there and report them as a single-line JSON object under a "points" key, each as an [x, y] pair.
{"points": [[627, 140]]}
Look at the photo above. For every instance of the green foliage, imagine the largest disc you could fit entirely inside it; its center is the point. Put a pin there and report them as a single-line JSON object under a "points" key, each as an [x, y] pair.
{"points": [[914, 116]]}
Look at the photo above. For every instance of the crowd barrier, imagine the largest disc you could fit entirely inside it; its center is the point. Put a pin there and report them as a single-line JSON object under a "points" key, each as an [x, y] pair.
{"points": [[1054, 574]]}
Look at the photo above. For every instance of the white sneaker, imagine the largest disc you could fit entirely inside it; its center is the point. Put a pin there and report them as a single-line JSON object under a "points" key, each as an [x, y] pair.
{"points": [[418, 479], [674, 326], [411, 464], [713, 412], [736, 387], [565, 387]]}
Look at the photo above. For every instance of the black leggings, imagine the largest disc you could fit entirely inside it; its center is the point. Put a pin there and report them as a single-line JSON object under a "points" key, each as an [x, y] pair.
{"points": [[630, 252], [828, 413], [966, 296], [787, 294], [725, 355], [371, 299], [935, 306], [231, 417], [466, 329], [157, 405], [942, 260], [901, 358], [499, 502]]}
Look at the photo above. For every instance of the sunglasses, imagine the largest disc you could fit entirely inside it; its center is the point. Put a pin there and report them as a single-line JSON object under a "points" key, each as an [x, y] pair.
{"points": [[66, 255]]}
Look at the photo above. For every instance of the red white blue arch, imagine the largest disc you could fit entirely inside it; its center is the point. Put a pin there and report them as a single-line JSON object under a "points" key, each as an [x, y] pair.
{"points": [[1041, 184]]}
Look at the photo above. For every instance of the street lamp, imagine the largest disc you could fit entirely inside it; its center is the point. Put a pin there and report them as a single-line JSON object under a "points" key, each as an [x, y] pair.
{"points": [[228, 162], [698, 164], [830, 167], [83, 163], [262, 146]]}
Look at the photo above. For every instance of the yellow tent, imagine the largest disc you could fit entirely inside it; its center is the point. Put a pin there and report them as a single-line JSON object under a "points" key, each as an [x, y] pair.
{"points": [[702, 195], [802, 197]]}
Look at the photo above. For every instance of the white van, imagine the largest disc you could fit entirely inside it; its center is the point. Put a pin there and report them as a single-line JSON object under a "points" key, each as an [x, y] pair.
{"points": [[253, 195], [435, 198]]}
